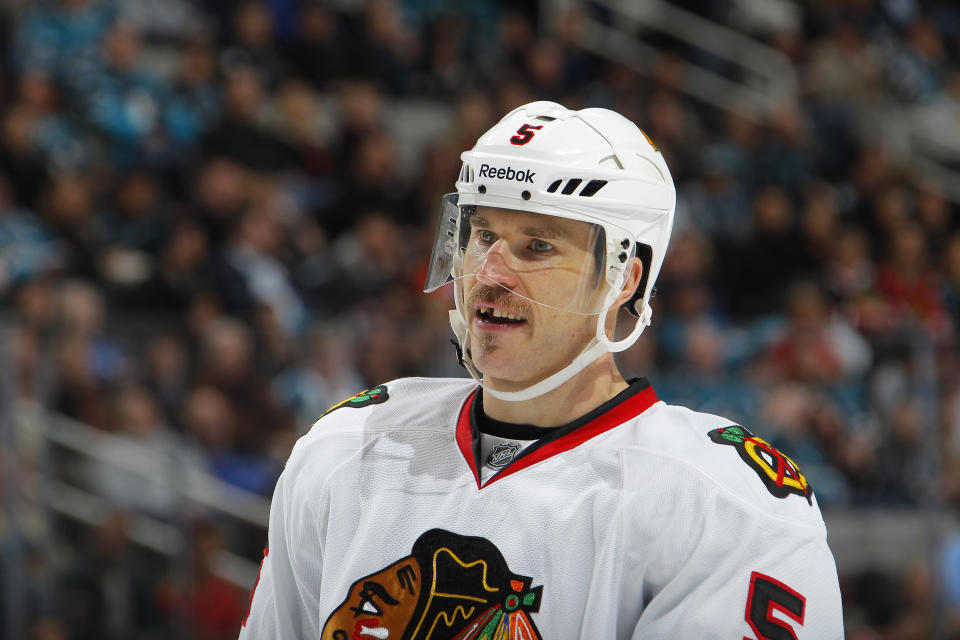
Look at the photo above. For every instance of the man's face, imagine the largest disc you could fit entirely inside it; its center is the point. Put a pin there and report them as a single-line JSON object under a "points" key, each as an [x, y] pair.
{"points": [[530, 293], [380, 605]]}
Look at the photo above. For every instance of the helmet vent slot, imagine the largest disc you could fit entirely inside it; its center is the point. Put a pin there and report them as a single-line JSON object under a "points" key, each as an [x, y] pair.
{"points": [[572, 184], [592, 187], [466, 173]]}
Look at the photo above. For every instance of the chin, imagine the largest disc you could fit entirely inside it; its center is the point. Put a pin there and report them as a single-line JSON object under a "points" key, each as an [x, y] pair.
{"points": [[506, 371], [498, 366]]}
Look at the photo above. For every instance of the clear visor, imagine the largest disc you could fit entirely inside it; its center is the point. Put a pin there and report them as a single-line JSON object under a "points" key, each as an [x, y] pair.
{"points": [[511, 258]]}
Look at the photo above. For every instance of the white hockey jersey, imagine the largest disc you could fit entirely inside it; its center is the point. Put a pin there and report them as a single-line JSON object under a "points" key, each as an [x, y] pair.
{"points": [[638, 520]]}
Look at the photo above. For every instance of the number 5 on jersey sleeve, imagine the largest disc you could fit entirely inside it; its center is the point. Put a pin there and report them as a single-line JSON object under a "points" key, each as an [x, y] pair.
{"points": [[767, 595]]}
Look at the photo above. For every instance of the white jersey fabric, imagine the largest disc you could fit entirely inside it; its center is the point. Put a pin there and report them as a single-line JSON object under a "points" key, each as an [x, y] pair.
{"points": [[639, 520]]}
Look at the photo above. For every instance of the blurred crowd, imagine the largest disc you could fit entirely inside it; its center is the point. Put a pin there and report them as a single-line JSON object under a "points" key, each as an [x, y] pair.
{"points": [[215, 219]]}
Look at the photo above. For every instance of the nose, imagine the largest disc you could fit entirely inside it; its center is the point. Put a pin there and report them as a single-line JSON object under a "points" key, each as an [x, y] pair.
{"points": [[496, 265]]}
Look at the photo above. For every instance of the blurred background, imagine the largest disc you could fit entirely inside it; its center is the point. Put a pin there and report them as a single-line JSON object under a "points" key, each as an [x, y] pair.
{"points": [[215, 218]]}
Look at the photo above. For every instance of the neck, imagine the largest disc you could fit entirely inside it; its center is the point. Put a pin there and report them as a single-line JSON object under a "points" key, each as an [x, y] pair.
{"points": [[586, 391]]}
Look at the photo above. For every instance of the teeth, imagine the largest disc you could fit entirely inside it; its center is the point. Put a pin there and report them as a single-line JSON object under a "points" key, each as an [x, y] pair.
{"points": [[496, 313]]}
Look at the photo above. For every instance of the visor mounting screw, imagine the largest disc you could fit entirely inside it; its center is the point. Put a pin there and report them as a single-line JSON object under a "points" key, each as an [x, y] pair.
{"points": [[482, 189], [625, 243], [525, 195], [623, 257]]}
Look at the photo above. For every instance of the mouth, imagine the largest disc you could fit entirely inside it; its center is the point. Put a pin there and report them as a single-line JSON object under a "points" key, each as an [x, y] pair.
{"points": [[361, 631], [494, 318]]}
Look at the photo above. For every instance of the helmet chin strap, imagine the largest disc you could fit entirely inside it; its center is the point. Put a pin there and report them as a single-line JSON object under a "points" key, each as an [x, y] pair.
{"points": [[598, 346]]}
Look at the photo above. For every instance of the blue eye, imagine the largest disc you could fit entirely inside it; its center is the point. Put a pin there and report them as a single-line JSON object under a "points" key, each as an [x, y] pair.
{"points": [[541, 246], [486, 236]]}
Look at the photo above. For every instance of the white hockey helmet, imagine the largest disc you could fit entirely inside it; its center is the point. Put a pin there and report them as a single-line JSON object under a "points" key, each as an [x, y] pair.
{"points": [[591, 165]]}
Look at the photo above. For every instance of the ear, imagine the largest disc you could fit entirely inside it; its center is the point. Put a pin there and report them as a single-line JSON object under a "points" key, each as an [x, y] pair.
{"points": [[634, 271]]}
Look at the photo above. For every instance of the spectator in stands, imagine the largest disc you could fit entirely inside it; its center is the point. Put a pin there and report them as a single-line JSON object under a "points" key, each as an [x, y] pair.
{"points": [[445, 72], [194, 103], [165, 373], [752, 286], [700, 358], [137, 425], [933, 212], [54, 132], [373, 183], [253, 43], [220, 192], [250, 273], [107, 593], [181, 270], [210, 422], [544, 70], [384, 49], [240, 136], [912, 64], [62, 36], [370, 259], [28, 248], [848, 272], [301, 124], [88, 362], [126, 103], [227, 363], [130, 230], [843, 68], [718, 203], [319, 49], [325, 375], [910, 286], [903, 472], [685, 295], [212, 607], [68, 206], [819, 222], [817, 346], [21, 159], [783, 156]]}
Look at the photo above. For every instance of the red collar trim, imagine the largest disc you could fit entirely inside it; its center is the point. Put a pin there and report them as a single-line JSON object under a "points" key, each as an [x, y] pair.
{"points": [[465, 436], [615, 416]]}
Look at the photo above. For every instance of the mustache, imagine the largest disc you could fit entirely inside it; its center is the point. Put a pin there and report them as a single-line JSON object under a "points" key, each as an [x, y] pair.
{"points": [[500, 296]]}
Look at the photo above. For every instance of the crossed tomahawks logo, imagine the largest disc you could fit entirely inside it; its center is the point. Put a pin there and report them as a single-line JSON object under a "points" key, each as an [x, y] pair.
{"points": [[780, 474]]}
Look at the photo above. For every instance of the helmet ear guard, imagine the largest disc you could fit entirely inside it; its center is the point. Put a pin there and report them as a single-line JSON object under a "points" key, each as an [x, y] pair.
{"points": [[645, 253]]}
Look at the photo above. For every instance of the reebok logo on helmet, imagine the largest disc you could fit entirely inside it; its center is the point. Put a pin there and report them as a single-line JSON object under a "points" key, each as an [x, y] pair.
{"points": [[508, 173]]}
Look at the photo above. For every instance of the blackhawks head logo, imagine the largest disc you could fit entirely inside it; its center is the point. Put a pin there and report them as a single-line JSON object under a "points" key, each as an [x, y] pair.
{"points": [[450, 587], [779, 473]]}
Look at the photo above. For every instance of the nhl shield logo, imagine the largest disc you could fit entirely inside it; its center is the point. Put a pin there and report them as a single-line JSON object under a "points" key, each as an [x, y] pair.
{"points": [[503, 454]]}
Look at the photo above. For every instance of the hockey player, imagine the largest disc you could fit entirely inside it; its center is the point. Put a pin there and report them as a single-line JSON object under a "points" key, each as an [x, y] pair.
{"points": [[548, 497]]}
